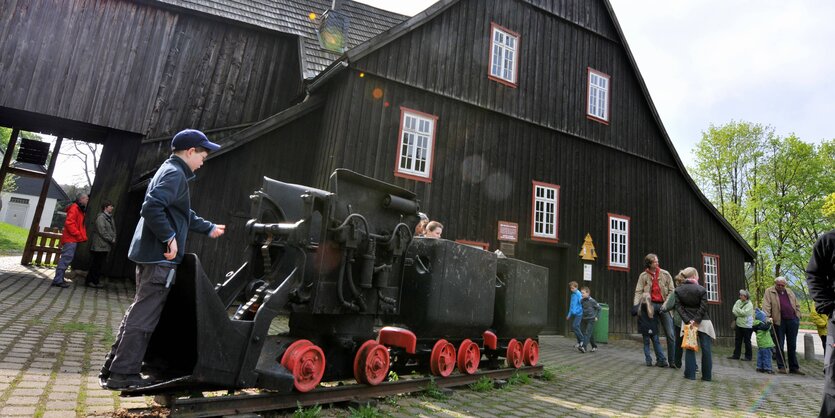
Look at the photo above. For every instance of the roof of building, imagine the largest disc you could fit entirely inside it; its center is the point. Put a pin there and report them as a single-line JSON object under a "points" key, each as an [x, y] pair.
{"points": [[293, 17], [32, 186]]}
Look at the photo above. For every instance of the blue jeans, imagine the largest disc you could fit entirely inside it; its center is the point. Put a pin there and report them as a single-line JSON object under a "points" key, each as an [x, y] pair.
{"points": [[764, 359], [707, 359], [787, 331], [587, 325], [659, 355], [665, 320], [575, 326], [67, 254]]}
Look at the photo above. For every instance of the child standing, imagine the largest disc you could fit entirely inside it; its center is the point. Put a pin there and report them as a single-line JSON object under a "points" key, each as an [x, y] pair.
{"points": [[591, 311], [762, 325], [575, 314], [648, 327]]}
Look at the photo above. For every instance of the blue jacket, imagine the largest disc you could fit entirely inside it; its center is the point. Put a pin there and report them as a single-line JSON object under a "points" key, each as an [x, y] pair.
{"points": [[575, 308], [166, 213]]}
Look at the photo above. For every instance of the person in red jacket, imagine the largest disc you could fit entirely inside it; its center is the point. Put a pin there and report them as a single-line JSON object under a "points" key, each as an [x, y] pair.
{"points": [[74, 232]]}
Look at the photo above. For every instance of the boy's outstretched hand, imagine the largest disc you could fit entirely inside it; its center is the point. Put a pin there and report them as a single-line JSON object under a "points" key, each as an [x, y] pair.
{"points": [[218, 231]]}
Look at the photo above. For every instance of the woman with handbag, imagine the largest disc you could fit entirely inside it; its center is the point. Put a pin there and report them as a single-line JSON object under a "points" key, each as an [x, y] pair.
{"points": [[743, 310], [692, 306]]}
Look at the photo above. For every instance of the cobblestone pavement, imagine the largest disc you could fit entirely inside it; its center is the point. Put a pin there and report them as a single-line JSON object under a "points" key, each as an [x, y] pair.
{"points": [[52, 341]]}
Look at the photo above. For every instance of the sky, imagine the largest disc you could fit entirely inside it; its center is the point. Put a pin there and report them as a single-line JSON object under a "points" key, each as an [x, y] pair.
{"points": [[713, 61]]}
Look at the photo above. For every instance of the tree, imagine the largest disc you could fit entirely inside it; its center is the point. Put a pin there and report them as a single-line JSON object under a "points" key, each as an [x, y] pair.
{"points": [[88, 154], [10, 182]]}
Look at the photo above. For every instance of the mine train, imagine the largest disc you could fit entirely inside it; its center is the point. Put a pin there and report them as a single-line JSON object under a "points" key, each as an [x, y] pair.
{"points": [[363, 297]]}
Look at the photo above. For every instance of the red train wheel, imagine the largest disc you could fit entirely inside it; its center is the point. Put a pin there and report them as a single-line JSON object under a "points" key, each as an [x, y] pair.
{"points": [[514, 354], [469, 356], [530, 352], [371, 365], [442, 360], [307, 363]]}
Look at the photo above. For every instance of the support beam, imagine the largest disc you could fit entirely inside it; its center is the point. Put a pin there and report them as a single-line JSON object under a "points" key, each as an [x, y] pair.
{"points": [[29, 250]]}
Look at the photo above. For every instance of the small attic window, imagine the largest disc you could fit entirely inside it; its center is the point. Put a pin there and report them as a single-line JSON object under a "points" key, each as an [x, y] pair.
{"points": [[504, 55]]}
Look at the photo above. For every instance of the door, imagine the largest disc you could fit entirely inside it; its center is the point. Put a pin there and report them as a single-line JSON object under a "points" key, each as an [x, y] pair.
{"points": [[16, 212]]}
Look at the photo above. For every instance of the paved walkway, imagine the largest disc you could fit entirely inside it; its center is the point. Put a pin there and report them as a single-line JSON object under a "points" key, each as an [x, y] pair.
{"points": [[52, 342]]}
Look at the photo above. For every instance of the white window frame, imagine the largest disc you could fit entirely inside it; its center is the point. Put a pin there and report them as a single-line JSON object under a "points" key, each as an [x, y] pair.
{"points": [[597, 98], [504, 55], [710, 270], [545, 212], [415, 145], [618, 251]]}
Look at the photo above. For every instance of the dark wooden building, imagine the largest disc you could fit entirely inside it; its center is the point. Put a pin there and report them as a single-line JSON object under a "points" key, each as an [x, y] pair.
{"points": [[530, 114]]}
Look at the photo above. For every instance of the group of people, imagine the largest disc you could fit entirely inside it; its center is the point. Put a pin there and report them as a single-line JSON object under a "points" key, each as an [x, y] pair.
{"points": [[583, 312], [776, 325], [75, 232], [428, 229]]}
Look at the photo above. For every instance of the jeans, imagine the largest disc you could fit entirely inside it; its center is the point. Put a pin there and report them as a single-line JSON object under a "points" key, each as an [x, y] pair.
{"points": [[587, 325], [787, 331], [665, 320], [67, 254], [575, 326], [659, 356], [742, 336], [764, 359], [707, 359]]}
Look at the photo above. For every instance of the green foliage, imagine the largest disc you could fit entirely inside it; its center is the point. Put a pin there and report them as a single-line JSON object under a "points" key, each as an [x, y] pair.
{"points": [[365, 411], [774, 192], [518, 379], [312, 412], [433, 391], [548, 374], [12, 238], [393, 376], [483, 384]]}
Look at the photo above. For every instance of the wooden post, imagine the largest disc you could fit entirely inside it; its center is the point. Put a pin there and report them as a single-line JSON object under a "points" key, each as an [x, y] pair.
{"points": [[7, 156], [29, 250]]}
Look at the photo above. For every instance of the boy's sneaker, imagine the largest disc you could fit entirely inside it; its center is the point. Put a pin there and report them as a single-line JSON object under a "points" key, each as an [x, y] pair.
{"points": [[577, 345], [661, 364], [593, 349], [649, 364], [581, 349], [760, 371], [768, 371]]}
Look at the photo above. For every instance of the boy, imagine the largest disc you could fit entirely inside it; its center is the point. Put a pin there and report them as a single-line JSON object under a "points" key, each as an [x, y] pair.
{"points": [[575, 314], [591, 311], [762, 325], [157, 248]]}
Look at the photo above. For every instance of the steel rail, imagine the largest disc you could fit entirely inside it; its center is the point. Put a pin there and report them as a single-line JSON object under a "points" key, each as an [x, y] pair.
{"points": [[262, 402]]}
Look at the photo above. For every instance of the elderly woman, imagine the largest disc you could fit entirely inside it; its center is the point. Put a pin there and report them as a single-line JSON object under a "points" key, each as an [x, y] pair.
{"points": [[743, 310], [692, 306]]}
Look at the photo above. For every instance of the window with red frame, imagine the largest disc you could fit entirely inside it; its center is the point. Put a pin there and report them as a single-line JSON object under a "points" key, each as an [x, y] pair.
{"points": [[711, 272], [415, 145], [598, 96], [504, 55], [618, 242], [545, 211]]}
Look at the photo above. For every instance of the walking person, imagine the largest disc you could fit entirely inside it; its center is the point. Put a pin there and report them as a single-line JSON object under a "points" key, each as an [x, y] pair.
{"points": [[780, 304], [743, 310], [591, 312], [157, 247], [575, 314], [765, 343], [692, 306], [820, 277], [648, 327], [74, 233], [103, 241], [659, 284]]}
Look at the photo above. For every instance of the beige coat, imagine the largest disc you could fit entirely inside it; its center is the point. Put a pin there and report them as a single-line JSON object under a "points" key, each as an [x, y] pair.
{"points": [[771, 304], [665, 282]]}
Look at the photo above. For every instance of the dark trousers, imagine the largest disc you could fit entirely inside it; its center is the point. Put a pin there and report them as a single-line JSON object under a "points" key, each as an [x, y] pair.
{"points": [[97, 259], [828, 405], [707, 359], [587, 325], [743, 336], [140, 319], [787, 332], [679, 352]]}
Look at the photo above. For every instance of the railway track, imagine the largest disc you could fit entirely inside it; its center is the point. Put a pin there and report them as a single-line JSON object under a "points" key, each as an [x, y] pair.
{"points": [[264, 402]]}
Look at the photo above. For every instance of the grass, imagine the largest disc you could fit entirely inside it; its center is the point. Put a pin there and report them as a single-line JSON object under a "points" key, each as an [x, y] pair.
{"points": [[483, 384], [311, 412], [365, 411], [433, 391], [12, 239]]}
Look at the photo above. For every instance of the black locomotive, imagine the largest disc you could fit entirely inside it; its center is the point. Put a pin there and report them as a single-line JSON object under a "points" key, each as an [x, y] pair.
{"points": [[362, 295]]}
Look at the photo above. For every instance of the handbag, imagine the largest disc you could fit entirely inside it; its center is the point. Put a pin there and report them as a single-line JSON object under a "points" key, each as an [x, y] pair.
{"points": [[690, 338]]}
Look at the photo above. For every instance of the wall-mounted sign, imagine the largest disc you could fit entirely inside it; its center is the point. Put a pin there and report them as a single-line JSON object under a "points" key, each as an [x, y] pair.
{"points": [[587, 252], [587, 272], [508, 249], [508, 231]]}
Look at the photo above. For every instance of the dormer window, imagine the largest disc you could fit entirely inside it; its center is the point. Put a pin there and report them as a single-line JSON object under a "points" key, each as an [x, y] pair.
{"points": [[504, 55]]}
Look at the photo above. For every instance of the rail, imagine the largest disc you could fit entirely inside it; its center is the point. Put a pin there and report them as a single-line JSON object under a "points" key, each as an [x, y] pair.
{"points": [[46, 248], [262, 402]]}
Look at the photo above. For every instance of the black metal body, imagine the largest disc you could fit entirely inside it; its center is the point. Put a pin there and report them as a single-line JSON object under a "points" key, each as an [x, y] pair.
{"points": [[521, 308]]}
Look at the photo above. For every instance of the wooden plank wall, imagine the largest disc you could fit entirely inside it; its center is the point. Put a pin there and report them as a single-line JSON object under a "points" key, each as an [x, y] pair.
{"points": [[133, 67], [485, 163]]}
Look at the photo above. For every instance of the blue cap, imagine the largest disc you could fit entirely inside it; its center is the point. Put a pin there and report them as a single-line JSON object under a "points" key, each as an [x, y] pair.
{"points": [[190, 138]]}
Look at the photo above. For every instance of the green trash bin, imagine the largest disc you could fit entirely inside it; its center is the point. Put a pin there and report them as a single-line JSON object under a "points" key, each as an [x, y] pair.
{"points": [[601, 328]]}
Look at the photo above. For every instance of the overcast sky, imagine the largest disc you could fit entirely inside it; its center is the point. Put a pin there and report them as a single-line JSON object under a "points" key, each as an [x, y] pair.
{"points": [[713, 61]]}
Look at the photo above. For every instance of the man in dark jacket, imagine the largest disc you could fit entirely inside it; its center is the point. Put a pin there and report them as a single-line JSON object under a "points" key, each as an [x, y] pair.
{"points": [[73, 234], [820, 276], [157, 248]]}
